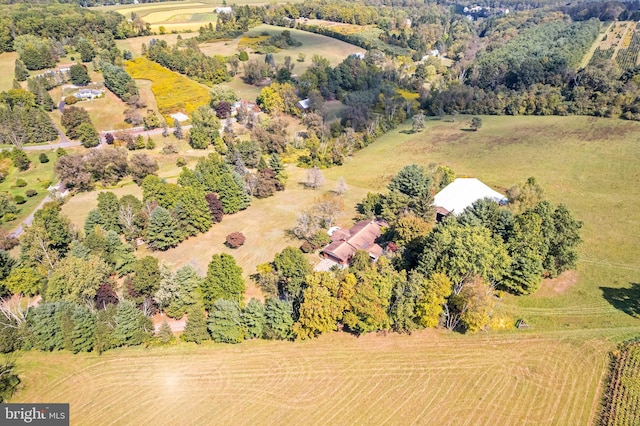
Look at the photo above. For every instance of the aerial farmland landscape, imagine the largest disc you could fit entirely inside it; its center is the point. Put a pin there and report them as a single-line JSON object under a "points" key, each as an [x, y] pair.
{"points": [[331, 212]]}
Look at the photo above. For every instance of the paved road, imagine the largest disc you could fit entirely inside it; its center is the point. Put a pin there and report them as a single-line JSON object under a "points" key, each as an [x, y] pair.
{"points": [[65, 143]]}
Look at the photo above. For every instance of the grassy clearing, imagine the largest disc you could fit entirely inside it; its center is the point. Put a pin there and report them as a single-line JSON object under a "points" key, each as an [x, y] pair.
{"points": [[38, 177], [179, 16], [623, 392], [513, 378], [7, 64], [134, 45], [312, 44], [173, 92]]}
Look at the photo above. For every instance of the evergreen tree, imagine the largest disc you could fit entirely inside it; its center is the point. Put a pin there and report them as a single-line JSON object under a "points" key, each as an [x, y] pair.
{"points": [[20, 71], [45, 331], [223, 281], [195, 330], [109, 209], [131, 326], [162, 232], [278, 319], [94, 218], [84, 325], [165, 334], [194, 216], [225, 322], [79, 75], [253, 319]]}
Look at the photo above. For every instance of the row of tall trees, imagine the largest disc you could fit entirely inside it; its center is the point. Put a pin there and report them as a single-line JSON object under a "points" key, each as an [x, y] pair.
{"points": [[23, 119]]}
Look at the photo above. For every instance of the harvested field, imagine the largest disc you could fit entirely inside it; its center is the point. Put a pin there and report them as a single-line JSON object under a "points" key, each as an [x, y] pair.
{"points": [[429, 377]]}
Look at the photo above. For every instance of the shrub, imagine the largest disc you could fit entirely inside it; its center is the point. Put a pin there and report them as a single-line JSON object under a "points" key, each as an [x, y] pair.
{"points": [[169, 149], [70, 100], [43, 158], [109, 139], [9, 217], [31, 193], [19, 199], [235, 239], [21, 183], [181, 162], [306, 247]]}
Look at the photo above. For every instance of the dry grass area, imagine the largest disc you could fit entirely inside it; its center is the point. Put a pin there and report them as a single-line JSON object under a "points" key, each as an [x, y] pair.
{"points": [[7, 64], [426, 378], [134, 45]]}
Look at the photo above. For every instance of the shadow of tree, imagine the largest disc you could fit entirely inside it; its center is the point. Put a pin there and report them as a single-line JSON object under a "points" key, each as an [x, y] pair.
{"points": [[625, 299]]}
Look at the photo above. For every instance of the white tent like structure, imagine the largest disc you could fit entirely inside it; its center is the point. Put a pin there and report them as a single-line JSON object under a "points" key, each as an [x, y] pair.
{"points": [[463, 192]]}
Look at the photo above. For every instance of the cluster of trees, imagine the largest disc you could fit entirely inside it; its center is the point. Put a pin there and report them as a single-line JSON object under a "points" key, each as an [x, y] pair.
{"points": [[23, 119], [81, 171], [119, 82], [188, 60], [78, 125]]}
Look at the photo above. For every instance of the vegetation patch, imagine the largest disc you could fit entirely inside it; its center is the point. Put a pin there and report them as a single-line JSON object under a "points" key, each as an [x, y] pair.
{"points": [[173, 92], [620, 405]]}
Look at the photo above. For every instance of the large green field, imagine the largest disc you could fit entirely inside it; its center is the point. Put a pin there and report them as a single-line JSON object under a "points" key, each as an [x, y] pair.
{"points": [[550, 374]]}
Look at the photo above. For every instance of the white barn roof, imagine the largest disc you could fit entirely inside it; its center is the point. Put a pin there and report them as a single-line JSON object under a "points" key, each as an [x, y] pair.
{"points": [[463, 192]]}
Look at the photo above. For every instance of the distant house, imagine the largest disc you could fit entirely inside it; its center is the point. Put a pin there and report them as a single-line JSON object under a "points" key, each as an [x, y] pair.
{"points": [[359, 55], [84, 94], [224, 9], [247, 105], [462, 193], [344, 243], [304, 105]]}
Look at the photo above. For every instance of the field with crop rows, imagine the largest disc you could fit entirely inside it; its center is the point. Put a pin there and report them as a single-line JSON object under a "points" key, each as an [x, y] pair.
{"points": [[622, 399]]}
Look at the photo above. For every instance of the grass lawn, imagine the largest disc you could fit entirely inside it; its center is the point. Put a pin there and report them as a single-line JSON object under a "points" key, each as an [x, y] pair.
{"points": [[7, 63], [38, 177], [429, 377]]}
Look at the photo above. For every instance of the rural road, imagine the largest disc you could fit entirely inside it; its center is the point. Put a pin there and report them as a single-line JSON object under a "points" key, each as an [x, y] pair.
{"points": [[65, 143]]}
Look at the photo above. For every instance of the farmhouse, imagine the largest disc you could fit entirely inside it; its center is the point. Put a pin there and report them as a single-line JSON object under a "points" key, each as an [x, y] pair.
{"points": [[85, 94], [361, 236], [462, 193], [224, 9]]}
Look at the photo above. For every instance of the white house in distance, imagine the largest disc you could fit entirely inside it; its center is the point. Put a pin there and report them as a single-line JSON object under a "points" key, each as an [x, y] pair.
{"points": [[462, 193]]}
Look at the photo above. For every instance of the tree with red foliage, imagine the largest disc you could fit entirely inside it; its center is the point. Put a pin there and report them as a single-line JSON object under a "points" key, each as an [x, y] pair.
{"points": [[235, 239], [105, 296], [223, 109], [215, 207], [108, 138]]}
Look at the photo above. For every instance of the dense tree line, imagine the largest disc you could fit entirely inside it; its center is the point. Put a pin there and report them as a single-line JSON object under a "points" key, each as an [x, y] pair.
{"points": [[23, 117], [189, 61]]}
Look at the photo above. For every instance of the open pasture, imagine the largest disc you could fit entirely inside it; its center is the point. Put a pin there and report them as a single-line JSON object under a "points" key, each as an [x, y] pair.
{"points": [[312, 44], [583, 162], [427, 378]]}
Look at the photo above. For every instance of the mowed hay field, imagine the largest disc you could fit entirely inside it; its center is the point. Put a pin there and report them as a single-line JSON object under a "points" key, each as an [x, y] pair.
{"points": [[7, 63], [426, 378]]}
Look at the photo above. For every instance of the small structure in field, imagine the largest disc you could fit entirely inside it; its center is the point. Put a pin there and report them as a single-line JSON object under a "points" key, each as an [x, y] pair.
{"points": [[179, 116], [462, 193]]}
